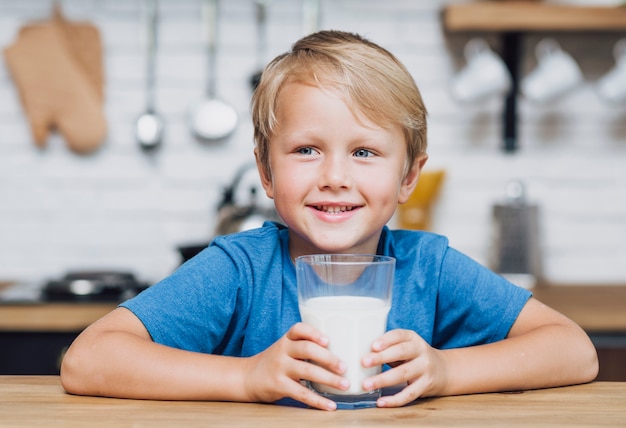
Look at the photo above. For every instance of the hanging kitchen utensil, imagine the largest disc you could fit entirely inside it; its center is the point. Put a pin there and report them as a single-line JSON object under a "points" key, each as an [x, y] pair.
{"points": [[515, 248], [210, 118], [57, 66], [243, 206], [150, 125], [260, 10]]}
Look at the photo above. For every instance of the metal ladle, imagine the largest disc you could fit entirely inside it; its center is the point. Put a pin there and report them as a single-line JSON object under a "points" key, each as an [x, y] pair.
{"points": [[310, 16], [210, 118], [150, 125], [260, 9]]}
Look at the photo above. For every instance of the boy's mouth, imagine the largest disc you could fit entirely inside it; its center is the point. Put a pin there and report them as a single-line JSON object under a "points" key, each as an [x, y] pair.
{"points": [[334, 209]]}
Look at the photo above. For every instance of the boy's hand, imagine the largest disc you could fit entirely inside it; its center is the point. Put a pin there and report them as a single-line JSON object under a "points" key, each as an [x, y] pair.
{"points": [[276, 372], [413, 362]]}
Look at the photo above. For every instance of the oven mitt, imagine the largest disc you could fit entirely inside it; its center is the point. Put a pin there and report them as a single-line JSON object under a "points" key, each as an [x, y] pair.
{"points": [[85, 44], [57, 68]]}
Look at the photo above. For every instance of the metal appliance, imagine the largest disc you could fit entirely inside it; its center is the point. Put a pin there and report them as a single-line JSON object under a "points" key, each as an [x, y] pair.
{"points": [[243, 206], [515, 250]]}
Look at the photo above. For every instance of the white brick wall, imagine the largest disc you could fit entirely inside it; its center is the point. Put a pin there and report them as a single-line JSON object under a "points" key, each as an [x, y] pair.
{"points": [[119, 208]]}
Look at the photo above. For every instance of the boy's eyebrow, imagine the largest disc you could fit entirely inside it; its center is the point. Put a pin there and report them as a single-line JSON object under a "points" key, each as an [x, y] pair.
{"points": [[294, 138]]}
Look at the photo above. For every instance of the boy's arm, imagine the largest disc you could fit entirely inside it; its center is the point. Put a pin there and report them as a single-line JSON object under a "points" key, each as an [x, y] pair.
{"points": [[116, 357], [543, 348]]}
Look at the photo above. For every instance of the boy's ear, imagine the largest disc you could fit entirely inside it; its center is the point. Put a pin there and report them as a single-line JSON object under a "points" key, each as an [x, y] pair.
{"points": [[410, 180], [266, 181]]}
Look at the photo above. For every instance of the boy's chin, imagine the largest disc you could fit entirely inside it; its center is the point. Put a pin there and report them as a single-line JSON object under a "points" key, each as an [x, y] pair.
{"points": [[331, 242], [338, 248]]}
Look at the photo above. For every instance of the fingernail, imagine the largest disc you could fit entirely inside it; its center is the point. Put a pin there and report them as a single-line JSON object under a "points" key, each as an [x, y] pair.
{"points": [[367, 361], [331, 405], [342, 367], [376, 346], [367, 384], [345, 383]]}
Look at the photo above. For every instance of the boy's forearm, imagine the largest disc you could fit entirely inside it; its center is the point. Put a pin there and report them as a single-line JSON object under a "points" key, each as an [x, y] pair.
{"points": [[120, 364], [550, 355]]}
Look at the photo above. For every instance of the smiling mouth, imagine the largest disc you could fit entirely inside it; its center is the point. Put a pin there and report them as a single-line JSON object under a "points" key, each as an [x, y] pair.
{"points": [[334, 209]]}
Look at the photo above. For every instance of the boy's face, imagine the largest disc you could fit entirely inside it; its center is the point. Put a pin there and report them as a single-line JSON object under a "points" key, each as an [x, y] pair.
{"points": [[336, 179]]}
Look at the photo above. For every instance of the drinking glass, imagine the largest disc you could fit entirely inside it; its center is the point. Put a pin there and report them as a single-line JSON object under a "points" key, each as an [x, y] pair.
{"points": [[347, 297]]}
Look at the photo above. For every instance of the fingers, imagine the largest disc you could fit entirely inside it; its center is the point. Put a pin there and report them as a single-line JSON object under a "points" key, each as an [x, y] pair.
{"points": [[395, 346], [407, 373], [316, 401], [312, 361], [309, 397], [311, 345], [409, 394], [419, 385], [414, 364], [316, 374], [301, 331]]}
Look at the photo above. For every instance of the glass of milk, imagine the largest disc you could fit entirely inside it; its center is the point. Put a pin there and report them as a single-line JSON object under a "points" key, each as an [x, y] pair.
{"points": [[347, 297]]}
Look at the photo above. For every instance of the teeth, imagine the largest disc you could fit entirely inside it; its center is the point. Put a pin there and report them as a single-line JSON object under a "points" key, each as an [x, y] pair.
{"points": [[334, 209]]}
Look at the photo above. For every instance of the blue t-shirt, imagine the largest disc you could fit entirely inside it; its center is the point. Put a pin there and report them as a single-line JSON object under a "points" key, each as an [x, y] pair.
{"points": [[238, 296]]}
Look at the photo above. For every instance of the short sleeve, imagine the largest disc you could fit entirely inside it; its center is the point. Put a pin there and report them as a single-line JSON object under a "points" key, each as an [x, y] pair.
{"points": [[192, 308], [474, 304]]}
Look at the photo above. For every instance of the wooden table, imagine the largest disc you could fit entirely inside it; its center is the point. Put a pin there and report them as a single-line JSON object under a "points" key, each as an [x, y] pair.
{"points": [[39, 401]]}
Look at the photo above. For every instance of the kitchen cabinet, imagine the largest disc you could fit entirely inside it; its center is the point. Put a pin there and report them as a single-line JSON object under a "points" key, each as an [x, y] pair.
{"points": [[511, 20], [34, 337], [601, 312]]}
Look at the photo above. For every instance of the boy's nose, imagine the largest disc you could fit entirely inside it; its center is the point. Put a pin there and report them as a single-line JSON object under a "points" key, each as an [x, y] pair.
{"points": [[335, 173]]}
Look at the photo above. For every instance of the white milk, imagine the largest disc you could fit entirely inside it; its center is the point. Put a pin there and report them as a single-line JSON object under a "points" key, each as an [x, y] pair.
{"points": [[351, 324]]}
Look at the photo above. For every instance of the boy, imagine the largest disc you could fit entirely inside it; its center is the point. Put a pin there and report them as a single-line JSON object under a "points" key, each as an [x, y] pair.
{"points": [[340, 135]]}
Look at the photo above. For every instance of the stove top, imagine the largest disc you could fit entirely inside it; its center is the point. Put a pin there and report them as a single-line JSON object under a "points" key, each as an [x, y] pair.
{"points": [[77, 286]]}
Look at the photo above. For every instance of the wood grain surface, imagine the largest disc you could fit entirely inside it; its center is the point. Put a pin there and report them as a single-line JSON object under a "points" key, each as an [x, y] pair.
{"points": [[531, 16], [39, 401], [596, 308]]}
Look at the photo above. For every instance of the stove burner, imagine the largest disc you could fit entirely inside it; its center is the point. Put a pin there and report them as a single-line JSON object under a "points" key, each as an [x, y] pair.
{"points": [[99, 286]]}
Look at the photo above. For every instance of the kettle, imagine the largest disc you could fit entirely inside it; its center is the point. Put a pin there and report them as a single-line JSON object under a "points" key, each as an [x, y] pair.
{"points": [[241, 208], [515, 250]]}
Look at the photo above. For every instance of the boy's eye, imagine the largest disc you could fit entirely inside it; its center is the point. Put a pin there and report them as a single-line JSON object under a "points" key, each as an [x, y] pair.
{"points": [[305, 151], [363, 153]]}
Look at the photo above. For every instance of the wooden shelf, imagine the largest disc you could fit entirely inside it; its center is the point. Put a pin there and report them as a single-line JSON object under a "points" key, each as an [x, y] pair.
{"points": [[514, 18], [531, 16]]}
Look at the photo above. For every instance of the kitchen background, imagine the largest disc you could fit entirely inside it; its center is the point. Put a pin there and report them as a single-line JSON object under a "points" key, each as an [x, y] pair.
{"points": [[122, 208]]}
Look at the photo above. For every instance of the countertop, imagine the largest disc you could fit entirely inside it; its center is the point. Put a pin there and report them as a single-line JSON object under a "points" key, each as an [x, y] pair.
{"points": [[40, 401], [596, 308]]}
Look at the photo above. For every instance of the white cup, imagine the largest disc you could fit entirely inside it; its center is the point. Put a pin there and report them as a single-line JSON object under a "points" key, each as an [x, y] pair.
{"points": [[612, 86], [485, 74], [556, 73]]}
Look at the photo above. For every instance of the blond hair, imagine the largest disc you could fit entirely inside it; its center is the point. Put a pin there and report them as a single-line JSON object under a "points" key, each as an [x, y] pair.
{"points": [[370, 78]]}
